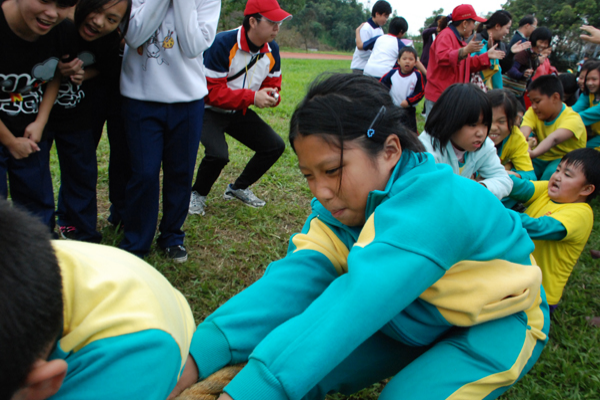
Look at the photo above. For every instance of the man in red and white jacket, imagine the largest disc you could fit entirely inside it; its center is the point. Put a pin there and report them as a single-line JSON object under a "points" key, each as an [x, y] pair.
{"points": [[243, 68]]}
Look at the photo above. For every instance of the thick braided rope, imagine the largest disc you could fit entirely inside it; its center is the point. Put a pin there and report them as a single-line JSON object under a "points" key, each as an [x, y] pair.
{"points": [[211, 387]]}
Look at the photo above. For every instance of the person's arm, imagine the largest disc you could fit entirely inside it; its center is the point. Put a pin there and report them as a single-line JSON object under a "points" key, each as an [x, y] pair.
{"points": [[417, 94], [421, 67], [146, 17], [196, 24], [19, 147], [35, 129], [514, 72], [303, 350], [582, 104], [447, 55], [386, 80], [495, 177], [369, 44], [426, 35], [557, 137], [525, 191], [273, 79], [543, 228]]}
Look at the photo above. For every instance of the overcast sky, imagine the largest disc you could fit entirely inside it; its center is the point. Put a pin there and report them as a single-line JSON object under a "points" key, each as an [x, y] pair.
{"points": [[416, 11]]}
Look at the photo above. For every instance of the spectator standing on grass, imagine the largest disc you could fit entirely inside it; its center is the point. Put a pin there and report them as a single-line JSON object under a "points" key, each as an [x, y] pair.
{"points": [[243, 68], [428, 36], [450, 59], [379, 15], [163, 85], [527, 25], [385, 48]]}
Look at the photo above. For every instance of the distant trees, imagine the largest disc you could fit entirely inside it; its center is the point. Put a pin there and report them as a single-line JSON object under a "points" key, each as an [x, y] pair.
{"points": [[563, 17]]}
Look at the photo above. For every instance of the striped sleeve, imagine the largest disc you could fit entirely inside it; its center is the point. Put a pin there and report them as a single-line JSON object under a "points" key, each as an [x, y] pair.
{"points": [[387, 78], [369, 44], [417, 94], [273, 79], [216, 64]]}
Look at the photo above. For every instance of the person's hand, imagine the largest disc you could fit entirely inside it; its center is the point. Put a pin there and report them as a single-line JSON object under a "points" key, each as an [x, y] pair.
{"points": [[494, 54], [360, 26], [519, 47], [404, 104], [22, 147], [34, 131], [513, 173], [263, 98], [528, 72], [473, 46], [189, 376], [594, 34], [77, 78], [69, 68], [508, 166], [532, 142], [224, 396]]}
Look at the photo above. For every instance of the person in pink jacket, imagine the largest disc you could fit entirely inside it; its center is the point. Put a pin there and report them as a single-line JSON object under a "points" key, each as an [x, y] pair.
{"points": [[449, 56]]}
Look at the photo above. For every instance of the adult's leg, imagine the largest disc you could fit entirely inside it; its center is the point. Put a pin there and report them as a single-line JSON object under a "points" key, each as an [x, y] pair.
{"points": [[145, 124], [253, 132], [216, 155], [79, 173], [31, 183], [428, 106], [179, 158]]}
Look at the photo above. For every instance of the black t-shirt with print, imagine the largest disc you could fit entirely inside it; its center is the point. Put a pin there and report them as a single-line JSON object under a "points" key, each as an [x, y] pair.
{"points": [[24, 69], [76, 104]]}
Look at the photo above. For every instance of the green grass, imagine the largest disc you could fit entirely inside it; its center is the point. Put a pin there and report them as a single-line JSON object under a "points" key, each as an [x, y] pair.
{"points": [[232, 244], [303, 50]]}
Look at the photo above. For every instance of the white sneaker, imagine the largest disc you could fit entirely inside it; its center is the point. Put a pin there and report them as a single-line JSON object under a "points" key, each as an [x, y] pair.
{"points": [[244, 195], [197, 203]]}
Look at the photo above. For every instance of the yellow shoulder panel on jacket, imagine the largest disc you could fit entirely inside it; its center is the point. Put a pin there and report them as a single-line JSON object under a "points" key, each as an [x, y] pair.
{"points": [[322, 239], [108, 292], [473, 292], [367, 234]]}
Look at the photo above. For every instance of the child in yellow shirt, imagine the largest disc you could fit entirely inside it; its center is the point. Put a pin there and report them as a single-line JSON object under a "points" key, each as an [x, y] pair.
{"points": [[559, 219], [558, 128]]}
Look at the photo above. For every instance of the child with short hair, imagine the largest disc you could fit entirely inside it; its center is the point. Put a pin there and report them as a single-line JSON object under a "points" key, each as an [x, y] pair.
{"points": [[586, 105], [33, 38], [406, 85], [557, 127], [459, 139], [379, 15], [84, 321], [385, 48], [96, 47], [372, 287], [559, 218]]}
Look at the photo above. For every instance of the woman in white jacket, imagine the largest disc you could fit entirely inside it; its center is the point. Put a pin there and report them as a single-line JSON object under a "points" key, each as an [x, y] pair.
{"points": [[163, 85], [456, 134]]}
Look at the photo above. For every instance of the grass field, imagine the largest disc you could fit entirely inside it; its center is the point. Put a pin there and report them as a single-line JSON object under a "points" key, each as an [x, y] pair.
{"points": [[230, 247]]}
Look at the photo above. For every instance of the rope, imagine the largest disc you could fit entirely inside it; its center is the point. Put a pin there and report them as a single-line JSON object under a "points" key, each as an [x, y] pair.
{"points": [[211, 387]]}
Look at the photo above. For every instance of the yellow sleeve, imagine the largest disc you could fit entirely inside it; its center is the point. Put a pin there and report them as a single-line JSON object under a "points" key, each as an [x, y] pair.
{"points": [[572, 121], [530, 119], [578, 220], [516, 151], [540, 187]]}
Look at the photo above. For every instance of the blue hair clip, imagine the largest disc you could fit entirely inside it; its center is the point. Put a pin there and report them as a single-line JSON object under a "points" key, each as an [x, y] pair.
{"points": [[371, 131]]}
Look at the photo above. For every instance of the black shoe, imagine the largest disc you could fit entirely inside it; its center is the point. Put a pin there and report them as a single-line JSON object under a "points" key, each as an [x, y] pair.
{"points": [[177, 253]]}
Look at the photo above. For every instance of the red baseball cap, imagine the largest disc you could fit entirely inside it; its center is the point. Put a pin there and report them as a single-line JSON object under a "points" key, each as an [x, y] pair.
{"points": [[267, 8], [466, 11]]}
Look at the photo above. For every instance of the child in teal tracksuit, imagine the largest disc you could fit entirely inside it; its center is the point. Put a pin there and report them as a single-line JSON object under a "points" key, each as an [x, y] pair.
{"points": [[373, 287]]}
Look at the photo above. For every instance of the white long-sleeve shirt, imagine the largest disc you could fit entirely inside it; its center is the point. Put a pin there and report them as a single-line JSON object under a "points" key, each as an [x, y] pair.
{"points": [[484, 161], [163, 55]]}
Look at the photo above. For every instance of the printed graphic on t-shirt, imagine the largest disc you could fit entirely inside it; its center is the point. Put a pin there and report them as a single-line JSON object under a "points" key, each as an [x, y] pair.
{"points": [[155, 49], [69, 94], [22, 93]]}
